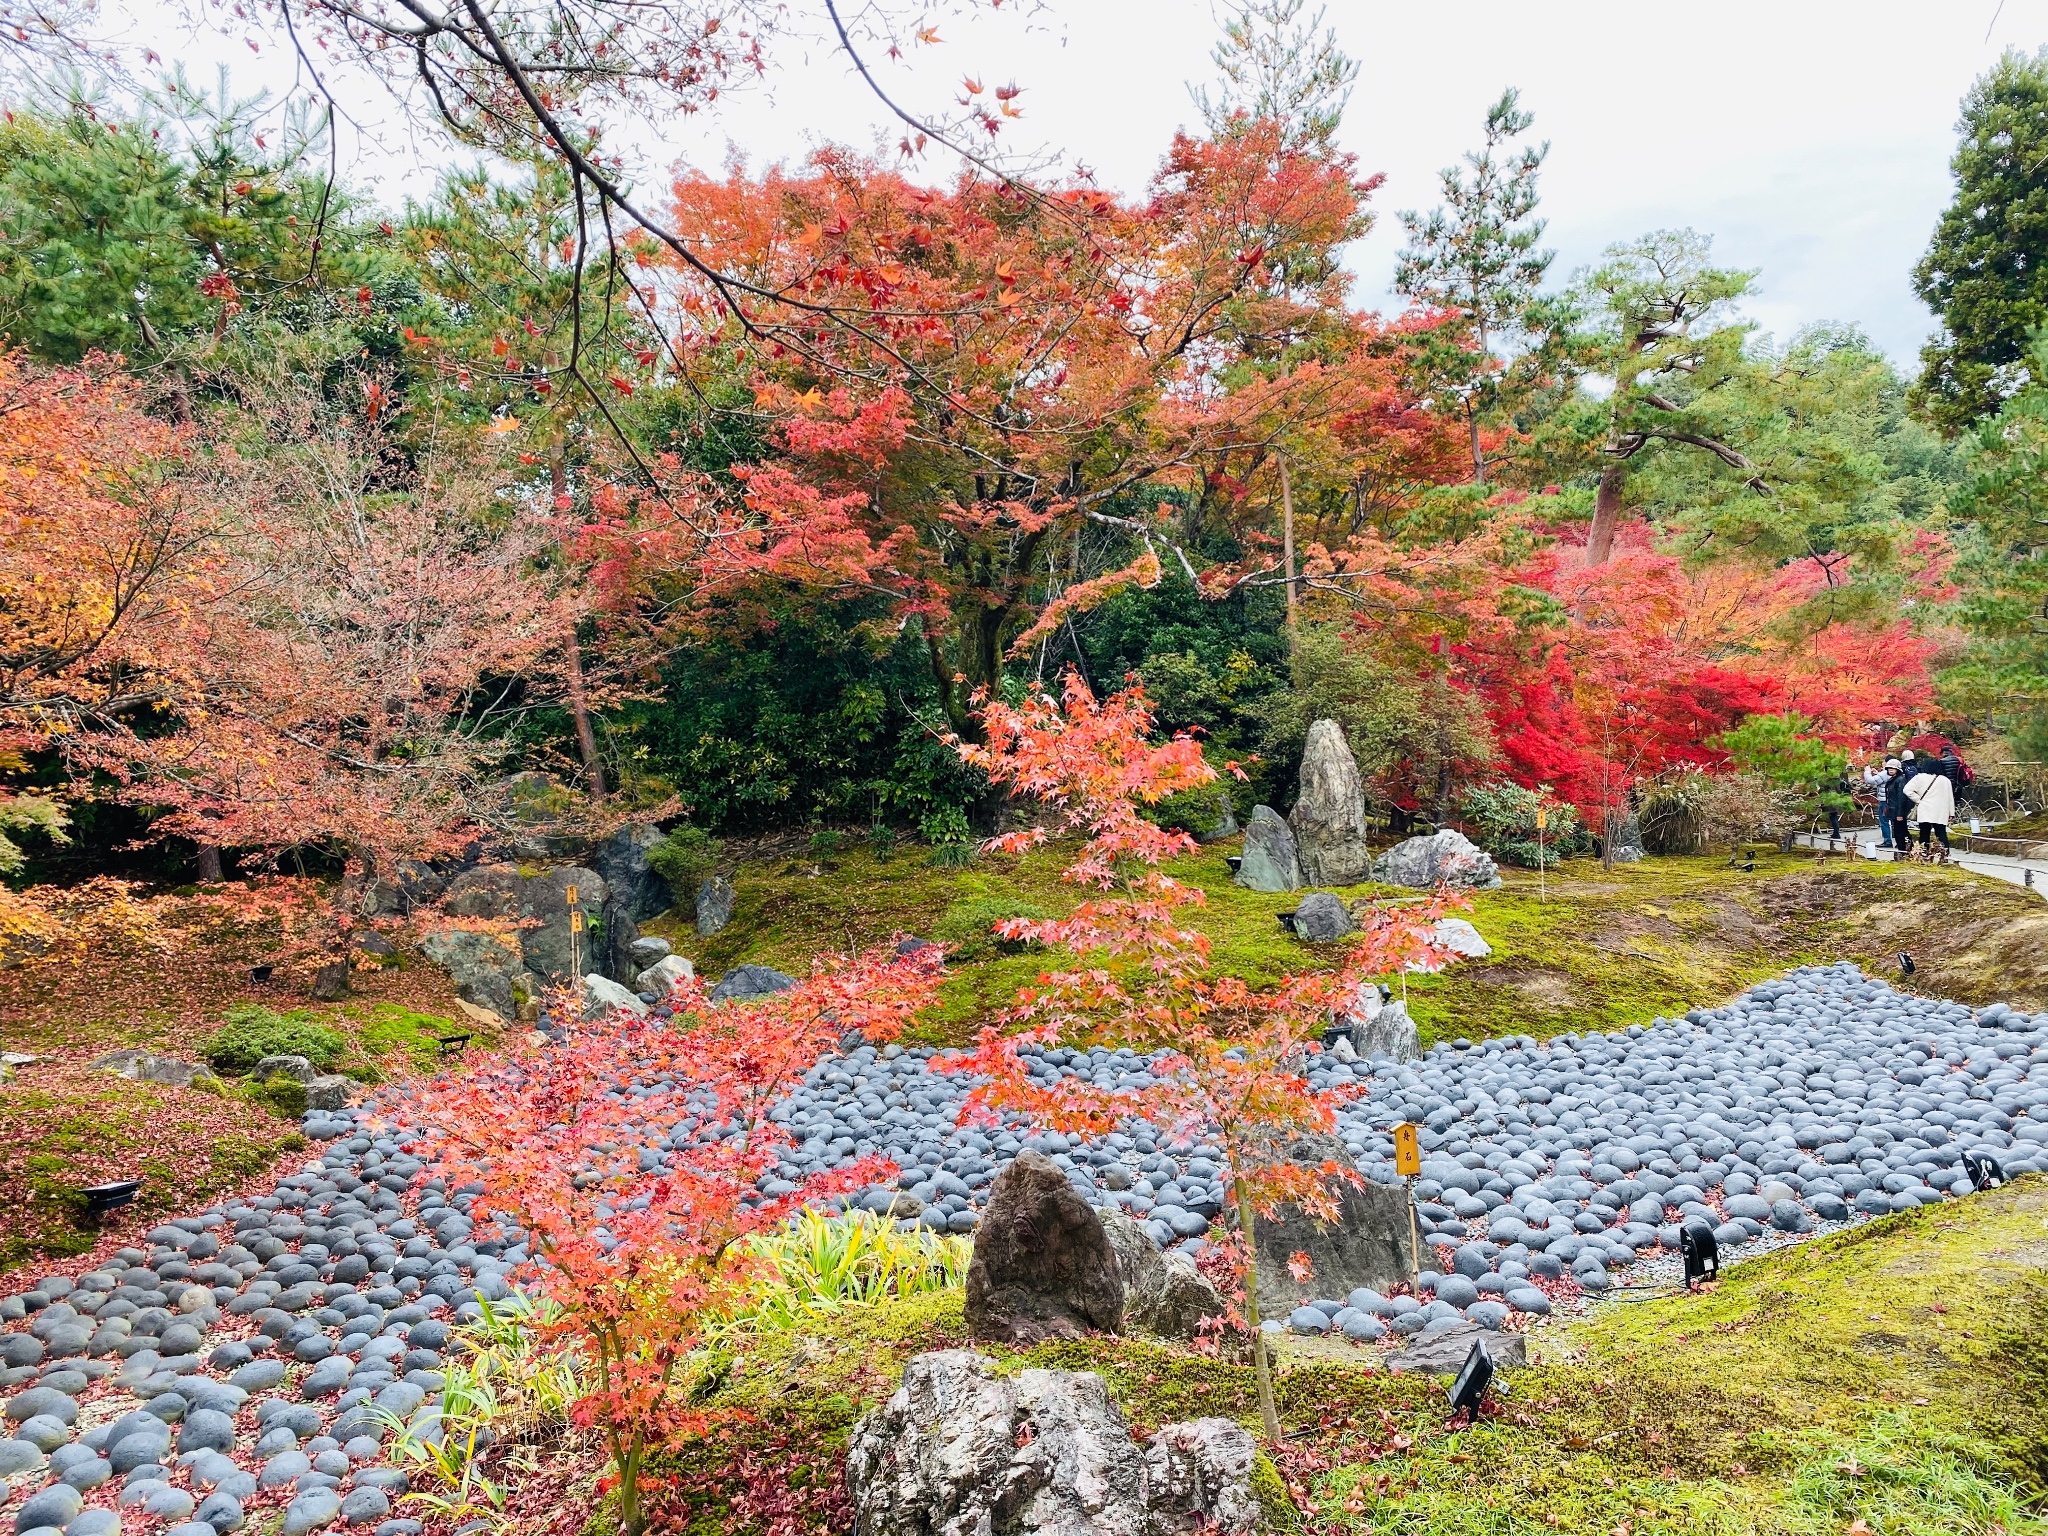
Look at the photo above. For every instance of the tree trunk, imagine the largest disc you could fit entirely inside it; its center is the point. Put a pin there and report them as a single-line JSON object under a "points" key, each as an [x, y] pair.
{"points": [[1478, 457], [1606, 514], [1287, 550], [586, 737], [572, 658], [1262, 1367], [209, 864]]}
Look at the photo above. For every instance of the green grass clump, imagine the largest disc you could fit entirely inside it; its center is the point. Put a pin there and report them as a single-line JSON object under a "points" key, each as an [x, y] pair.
{"points": [[824, 1264], [251, 1032]]}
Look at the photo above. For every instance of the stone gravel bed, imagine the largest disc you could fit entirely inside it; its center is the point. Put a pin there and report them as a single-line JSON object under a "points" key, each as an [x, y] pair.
{"points": [[259, 1354]]}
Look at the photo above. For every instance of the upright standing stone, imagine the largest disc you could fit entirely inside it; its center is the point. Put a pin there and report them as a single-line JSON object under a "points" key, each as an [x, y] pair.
{"points": [[1043, 1267], [1268, 862], [714, 904], [1329, 818]]}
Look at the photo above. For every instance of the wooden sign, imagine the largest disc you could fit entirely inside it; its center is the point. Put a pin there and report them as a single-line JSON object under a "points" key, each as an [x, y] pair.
{"points": [[569, 896], [575, 919], [1407, 1153]]}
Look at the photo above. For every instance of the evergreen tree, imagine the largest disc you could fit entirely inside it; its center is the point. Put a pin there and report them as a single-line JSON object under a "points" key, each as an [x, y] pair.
{"points": [[1985, 274], [1663, 331], [1477, 255], [1277, 66], [2003, 571]]}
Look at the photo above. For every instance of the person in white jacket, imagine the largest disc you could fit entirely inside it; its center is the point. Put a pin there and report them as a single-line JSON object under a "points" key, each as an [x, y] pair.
{"points": [[1934, 802]]}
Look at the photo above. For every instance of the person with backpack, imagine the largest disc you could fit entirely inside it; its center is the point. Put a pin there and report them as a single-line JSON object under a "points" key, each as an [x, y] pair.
{"points": [[1934, 799]]}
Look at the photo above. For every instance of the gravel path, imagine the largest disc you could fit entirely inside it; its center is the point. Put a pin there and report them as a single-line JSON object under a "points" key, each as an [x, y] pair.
{"points": [[257, 1354]]}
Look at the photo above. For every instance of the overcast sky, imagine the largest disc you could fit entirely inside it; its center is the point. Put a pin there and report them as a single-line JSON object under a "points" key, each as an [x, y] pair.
{"points": [[1810, 138]]}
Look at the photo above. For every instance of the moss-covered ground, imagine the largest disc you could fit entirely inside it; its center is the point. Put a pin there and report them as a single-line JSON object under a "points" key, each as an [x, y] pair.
{"points": [[1584, 948], [64, 1125], [1891, 1379]]}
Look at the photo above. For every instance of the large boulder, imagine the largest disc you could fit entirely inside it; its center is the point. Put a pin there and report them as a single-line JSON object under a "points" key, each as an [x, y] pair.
{"points": [[960, 1450], [1445, 1353], [1043, 1267], [331, 1092], [636, 890], [148, 1067], [715, 898], [744, 981], [1198, 1477], [1329, 817], [601, 995], [1164, 1294], [1268, 861], [488, 891], [1375, 1026], [486, 969], [552, 947], [1446, 858], [1321, 919], [661, 977], [1369, 1244]]}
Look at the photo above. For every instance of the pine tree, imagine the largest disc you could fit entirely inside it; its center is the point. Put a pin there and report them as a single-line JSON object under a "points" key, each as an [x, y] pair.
{"points": [[1274, 66], [1477, 255], [1985, 274]]}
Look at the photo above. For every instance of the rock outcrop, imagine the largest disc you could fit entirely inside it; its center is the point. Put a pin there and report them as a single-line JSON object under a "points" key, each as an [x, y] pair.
{"points": [[1329, 817], [635, 889], [715, 898], [1268, 862], [487, 970], [1043, 1267], [1164, 1294], [1446, 858], [148, 1067], [1367, 1245], [961, 1451], [1198, 1477]]}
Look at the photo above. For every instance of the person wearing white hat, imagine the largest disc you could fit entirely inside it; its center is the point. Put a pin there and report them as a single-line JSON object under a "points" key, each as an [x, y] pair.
{"points": [[1891, 814]]}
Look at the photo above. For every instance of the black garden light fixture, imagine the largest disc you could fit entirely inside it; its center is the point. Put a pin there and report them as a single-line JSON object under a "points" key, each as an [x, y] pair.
{"points": [[102, 1198], [1702, 1256], [451, 1045], [1983, 1170], [1474, 1377]]}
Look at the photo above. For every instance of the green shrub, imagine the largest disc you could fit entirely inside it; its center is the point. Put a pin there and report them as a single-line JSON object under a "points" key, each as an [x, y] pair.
{"points": [[881, 841], [1504, 815], [966, 927], [827, 843], [250, 1033], [683, 859], [951, 839], [1673, 817]]}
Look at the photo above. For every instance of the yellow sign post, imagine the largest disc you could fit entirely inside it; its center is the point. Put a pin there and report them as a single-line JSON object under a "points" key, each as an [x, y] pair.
{"points": [[575, 929], [1408, 1163], [1542, 819]]}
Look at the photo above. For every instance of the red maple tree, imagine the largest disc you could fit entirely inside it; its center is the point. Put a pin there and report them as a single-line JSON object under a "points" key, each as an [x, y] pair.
{"points": [[1229, 1062], [640, 1262]]}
